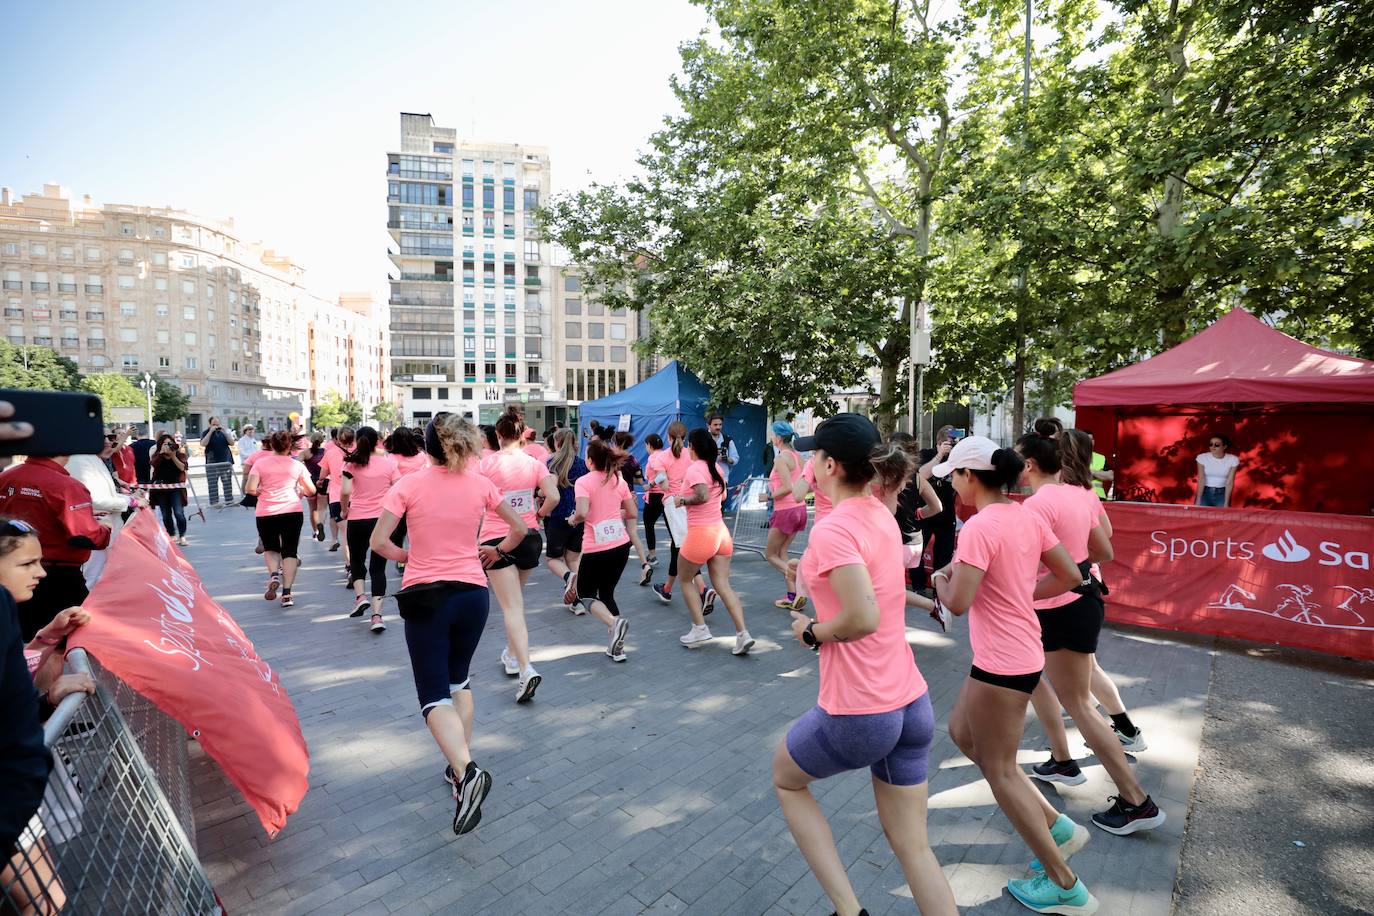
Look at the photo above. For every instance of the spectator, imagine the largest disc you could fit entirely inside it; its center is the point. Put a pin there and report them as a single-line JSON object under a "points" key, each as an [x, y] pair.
{"points": [[1216, 473], [219, 463], [169, 463], [247, 444], [43, 494], [107, 503], [142, 448], [123, 457], [729, 455]]}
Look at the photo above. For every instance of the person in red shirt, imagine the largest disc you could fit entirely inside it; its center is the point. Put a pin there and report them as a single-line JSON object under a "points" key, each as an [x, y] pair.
{"points": [[123, 457], [42, 493]]}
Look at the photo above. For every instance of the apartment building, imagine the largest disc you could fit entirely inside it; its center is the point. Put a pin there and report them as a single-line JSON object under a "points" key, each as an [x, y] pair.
{"points": [[594, 346], [134, 289], [471, 289], [348, 353]]}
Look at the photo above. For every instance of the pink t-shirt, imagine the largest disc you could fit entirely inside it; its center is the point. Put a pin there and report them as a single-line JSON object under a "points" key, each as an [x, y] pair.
{"points": [[517, 476], [786, 500], [604, 527], [709, 512], [409, 464], [537, 450], [657, 464], [874, 673], [1005, 541], [676, 469], [256, 457], [443, 511], [278, 476], [822, 501], [331, 463], [1071, 513], [370, 483]]}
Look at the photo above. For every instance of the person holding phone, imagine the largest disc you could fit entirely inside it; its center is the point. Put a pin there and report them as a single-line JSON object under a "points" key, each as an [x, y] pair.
{"points": [[219, 463], [169, 462]]}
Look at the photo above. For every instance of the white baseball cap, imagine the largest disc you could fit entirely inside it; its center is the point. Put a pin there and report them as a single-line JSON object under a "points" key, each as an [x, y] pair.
{"points": [[973, 453]]}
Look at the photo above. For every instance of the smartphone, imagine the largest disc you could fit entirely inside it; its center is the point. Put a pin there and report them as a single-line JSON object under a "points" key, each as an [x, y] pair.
{"points": [[958, 433], [64, 423]]}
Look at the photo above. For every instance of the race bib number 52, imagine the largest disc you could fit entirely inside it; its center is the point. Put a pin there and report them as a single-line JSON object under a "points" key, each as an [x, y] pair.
{"points": [[521, 502]]}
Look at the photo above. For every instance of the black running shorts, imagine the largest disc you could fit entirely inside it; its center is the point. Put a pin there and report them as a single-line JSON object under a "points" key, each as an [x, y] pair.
{"points": [[524, 556], [1073, 626]]}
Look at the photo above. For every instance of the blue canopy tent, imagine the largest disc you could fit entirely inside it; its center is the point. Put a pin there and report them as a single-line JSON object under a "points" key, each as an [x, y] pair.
{"points": [[673, 393]]}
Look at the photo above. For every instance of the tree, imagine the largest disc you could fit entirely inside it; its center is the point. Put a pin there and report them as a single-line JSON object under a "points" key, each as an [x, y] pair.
{"points": [[352, 411], [37, 368], [169, 403], [332, 410], [383, 413], [114, 391]]}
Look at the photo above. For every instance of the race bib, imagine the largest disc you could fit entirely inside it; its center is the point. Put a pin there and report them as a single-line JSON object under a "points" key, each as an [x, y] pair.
{"points": [[521, 502], [612, 529]]}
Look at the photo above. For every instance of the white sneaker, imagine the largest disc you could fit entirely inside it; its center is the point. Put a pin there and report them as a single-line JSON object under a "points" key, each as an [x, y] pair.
{"points": [[529, 682], [743, 643], [696, 636], [509, 663], [182, 540], [577, 608], [615, 647]]}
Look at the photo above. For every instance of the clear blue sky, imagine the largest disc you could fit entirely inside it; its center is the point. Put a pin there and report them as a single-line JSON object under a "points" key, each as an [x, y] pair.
{"points": [[280, 114]]}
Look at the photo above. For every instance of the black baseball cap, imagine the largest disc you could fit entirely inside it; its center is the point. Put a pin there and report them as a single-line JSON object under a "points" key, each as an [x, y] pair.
{"points": [[844, 437]]}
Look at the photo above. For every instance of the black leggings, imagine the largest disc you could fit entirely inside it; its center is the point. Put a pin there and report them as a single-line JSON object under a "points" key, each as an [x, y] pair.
{"points": [[653, 511], [941, 535], [281, 533], [599, 573], [359, 534]]}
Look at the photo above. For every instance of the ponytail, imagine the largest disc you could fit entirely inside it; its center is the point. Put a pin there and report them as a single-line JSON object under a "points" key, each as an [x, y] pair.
{"points": [[602, 457], [1048, 427], [1041, 449], [1006, 470], [362, 452], [452, 441], [564, 454], [511, 426], [677, 432], [706, 450]]}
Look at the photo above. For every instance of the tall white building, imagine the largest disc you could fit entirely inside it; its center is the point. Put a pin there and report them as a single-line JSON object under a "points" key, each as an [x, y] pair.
{"points": [[472, 283], [122, 288]]}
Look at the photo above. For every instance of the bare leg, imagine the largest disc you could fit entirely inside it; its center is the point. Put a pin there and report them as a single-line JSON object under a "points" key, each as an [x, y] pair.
{"points": [[986, 724], [776, 550], [719, 567], [811, 831], [902, 811], [506, 586], [690, 596], [1046, 703], [273, 561], [288, 571], [1073, 671], [1104, 689], [450, 728]]}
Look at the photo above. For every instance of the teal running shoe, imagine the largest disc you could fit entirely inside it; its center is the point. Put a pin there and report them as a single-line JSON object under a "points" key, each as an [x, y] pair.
{"points": [[1042, 895], [1069, 836]]}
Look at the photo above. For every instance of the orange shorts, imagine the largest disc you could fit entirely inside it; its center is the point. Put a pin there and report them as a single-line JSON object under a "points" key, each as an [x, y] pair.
{"points": [[706, 541]]}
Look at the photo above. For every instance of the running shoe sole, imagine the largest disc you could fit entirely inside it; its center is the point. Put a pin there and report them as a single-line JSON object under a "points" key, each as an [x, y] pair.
{"points": [[287, 601], [1132, 745], [1061, 909], [570, 590], [622, 627], [708, 602], [471, 795], [1135, 826], [528, 688], [666, 599], [358, 609], [787, 604], [272, 586], [647, 575], [377, 625], [1055, 777], [319, 533], [697, 642], [334, 546], [799, 602]]}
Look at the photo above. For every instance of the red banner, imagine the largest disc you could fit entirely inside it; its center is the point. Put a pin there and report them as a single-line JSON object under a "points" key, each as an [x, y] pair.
{"points": [[155, 627], [1294, 578]]}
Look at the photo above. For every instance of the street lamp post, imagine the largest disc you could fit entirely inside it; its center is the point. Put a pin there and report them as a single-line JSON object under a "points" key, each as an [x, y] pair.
{"points": [[149, 385]]}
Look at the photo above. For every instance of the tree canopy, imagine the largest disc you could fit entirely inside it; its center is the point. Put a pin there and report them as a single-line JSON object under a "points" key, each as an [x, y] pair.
{"points": [[35, 367], [114, 391]]}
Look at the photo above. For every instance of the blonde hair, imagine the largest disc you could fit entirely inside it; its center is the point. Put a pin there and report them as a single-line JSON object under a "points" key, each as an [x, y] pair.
{"points": [[460, 440], [565, 451]]}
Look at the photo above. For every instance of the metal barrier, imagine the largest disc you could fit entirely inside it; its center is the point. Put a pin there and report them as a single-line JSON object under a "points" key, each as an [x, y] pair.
{"points": [[107, 839], [750, 529]]}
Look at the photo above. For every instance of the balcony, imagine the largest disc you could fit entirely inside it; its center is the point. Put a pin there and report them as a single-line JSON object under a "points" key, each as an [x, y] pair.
{"points": [[14, 284], [509, 232], [438, 278], [68, 316], [14, 313], [71, 342], [94, 288], [66, 287], [510, 281], [95, 343], [95, 316], [43, 341], [533, 282], [38, 287], [17, 339]]}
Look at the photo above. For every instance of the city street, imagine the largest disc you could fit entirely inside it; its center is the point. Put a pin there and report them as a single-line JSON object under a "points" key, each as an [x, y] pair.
{"points": [[642, 787]]}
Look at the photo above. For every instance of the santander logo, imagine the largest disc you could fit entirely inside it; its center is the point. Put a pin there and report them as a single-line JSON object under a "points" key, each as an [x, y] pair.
{"points": [[1286, 549]]}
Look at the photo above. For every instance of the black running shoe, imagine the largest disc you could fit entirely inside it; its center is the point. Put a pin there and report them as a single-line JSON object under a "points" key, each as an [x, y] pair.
{"points": [[1065, 771], [319, 532], [1122, 818], [663, 594], [470, 793]]}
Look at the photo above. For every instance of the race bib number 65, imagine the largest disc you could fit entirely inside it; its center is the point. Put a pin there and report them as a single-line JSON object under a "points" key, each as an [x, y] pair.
{"points": [[612, 529], [521, 502]]}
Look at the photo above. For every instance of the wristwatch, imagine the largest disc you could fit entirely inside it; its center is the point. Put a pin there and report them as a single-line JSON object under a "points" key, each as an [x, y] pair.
{"points": [[809, 637]]}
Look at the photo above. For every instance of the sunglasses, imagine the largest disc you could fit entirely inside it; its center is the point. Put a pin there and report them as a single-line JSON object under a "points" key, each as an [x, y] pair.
{"points": [[1218, 445], [14, 526], [111, 438]]}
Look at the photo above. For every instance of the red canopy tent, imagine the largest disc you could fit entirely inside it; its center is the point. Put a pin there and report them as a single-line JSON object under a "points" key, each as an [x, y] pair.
{"points": [[1301, 419]]}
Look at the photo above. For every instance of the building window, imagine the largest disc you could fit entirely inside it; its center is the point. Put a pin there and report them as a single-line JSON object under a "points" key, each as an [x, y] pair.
{"points": [[164, 362], [510, 371], [491, 371], [596, 354], [188, 260], [164, 337], [126, 255], [161, 311], [188, 313], [128, 361], [192, 362], [441, 393], [192, 390], [572, 284], [508, 198], [531, 251], [128, 335], [128, 309], [572, 306], [189, 338], [92, 254], [12, 249], [596, 330], [488, 198], [160, 283], [572, 329], [159, 232], [126, 282], [126, 228], [38, 250], [423, 394], [617, 354], [617, 332], [160, 258], [443, 147], [65, 253], [531, 199], [188, 287]]}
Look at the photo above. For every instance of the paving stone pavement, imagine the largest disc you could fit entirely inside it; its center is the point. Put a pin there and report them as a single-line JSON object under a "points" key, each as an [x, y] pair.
{"points": [[642, 787]]}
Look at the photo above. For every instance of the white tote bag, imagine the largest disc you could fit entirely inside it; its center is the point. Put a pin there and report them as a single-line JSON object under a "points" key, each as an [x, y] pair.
{"points": [[676, 517]]}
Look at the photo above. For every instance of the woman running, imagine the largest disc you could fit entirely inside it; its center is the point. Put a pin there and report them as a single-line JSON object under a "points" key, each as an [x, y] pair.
{"points": [[319, 503], [806, 484], [789, 516], [1069, 628], [444, 600], [874, 707], [563, 540], [605, 508], [707, 543], [621, 443], [279, 481], [519, 477], [331, 466], [673, 468], [993, 580], [654, 477], [367, 475]]}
